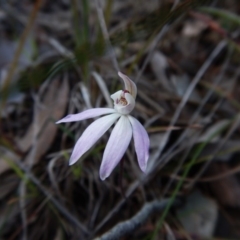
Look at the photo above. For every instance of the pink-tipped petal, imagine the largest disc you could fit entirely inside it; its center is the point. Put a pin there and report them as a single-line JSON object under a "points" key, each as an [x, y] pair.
{"points": [[90, 136], [129, 84], [141, 142], [90, 113], [116, 146]]}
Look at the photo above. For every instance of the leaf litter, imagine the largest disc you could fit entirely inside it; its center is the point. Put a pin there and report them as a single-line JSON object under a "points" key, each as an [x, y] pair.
{"points": [[184, 57]]}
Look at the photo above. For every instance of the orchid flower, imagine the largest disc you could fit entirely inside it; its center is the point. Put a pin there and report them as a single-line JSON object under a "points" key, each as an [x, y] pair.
{"points": [[126, 127]]}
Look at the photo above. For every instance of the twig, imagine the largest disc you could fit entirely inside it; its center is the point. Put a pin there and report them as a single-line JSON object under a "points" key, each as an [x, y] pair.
{"points": [[160, 35], [105, 34], [102, 85], [124, 228], [213, 178], [56, 203], [220, 146], [22, 203], [193, 119], [129, 192], [183, 102]]}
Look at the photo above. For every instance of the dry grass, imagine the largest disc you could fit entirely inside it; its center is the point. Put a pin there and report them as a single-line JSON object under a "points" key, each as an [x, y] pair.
{"points": [[61, 57]]}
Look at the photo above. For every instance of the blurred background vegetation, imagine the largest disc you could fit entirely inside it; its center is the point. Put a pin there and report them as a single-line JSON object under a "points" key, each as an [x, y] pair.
{"points": [[60, 57]]}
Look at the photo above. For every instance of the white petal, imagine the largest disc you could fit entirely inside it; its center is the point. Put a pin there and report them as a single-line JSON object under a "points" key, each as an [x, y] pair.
{"points": [[141, 142], [129, 84], [128, 108], [116, 96], [91, 135], [116, 146], [90, 113]]}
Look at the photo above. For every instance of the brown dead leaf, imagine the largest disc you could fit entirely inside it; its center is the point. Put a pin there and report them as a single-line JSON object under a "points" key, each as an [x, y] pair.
{"points": [[193, 28], [42, 131], [208, 21], [225, 190]]}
